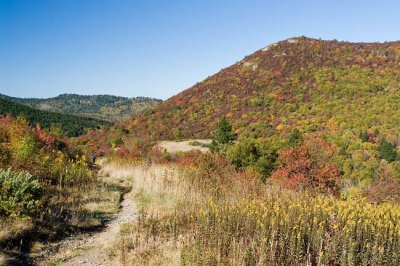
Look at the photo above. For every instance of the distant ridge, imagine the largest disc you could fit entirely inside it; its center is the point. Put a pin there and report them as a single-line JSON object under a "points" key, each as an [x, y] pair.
{"points": [[105, 107], [70, 125]]}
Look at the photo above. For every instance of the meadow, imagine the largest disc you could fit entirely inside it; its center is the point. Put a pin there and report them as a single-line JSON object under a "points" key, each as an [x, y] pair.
{"points": [[214, 208], [203, 212]]}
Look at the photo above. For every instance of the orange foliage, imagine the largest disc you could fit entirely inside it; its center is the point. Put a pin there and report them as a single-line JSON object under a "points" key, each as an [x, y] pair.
{"points": [[44, 137], [229, 115], [308, 166], [386, 188]]}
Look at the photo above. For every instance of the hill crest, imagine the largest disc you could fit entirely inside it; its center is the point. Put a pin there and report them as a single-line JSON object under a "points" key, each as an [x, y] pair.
{"points": [[277, 85]]}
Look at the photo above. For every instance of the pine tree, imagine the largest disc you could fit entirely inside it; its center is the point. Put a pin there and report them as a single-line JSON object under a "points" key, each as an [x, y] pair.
{"points": [[387, 151], [223, 135]]}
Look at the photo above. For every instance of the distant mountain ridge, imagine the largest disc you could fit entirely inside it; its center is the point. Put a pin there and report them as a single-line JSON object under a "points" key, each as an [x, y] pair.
{"points": [[105, 107], [70, 125]]}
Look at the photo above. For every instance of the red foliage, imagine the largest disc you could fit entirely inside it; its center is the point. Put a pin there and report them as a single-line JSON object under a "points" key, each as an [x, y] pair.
{"points": [[188, 159], [44, 137], [371, 138], [386, 188], [5, 121], [308, 166], [131, 152]]}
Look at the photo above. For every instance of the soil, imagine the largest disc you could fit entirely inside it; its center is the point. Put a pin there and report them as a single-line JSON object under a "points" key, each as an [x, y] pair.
{"points": [[92, 248]]}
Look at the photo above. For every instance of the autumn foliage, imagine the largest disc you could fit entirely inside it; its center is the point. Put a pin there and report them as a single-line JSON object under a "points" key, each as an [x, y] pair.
{"points": [[307, 166]]}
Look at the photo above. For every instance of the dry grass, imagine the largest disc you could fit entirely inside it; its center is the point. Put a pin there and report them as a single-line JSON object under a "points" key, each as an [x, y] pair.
{"points": [[3, 259], [12, 228], [214, 216], [185, 146], [89, 204], [159, 191], [103, 197]]}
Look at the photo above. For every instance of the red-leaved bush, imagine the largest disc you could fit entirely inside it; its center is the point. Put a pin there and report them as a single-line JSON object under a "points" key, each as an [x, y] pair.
{"points": [[307, 166]]}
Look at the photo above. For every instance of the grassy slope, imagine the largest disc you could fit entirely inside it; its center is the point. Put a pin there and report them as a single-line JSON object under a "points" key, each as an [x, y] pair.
{"points": [[70, 124], [105, 107]]}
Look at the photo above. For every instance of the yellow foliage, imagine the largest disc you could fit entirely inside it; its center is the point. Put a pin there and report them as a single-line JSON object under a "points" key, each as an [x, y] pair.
{"points": [[280, 127]]}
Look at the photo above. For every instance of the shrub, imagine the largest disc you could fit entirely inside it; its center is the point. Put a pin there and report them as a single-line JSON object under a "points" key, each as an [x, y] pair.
{"points": [[296, 229], [259, 154], [116, 142], [22, 140], [20, 193], [295, 138], [177, 133], [364, 136], [65, 171], [308, 167], [387, 151]]}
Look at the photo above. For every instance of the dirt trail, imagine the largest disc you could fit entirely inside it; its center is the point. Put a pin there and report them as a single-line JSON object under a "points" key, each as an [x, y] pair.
{"points": [[94, 248]]}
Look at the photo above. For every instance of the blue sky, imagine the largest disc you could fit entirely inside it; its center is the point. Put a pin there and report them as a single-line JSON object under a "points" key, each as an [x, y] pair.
{"points": [[159, 48]]}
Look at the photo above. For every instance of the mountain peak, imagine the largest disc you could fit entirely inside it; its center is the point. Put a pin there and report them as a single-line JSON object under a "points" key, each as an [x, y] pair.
{"points": [[284, 85]]}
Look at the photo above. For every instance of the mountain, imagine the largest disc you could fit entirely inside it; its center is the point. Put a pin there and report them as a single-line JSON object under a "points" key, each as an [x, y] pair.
{"points": [[294, 105], [70, 125], [104, 107], [300, 83]]}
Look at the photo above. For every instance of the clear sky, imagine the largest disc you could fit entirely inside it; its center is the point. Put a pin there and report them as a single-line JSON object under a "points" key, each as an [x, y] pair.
{"points": [[159, 48]]}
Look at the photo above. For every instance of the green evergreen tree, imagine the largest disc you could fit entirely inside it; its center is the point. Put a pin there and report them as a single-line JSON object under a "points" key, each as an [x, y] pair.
{"points": [[387, 151], [223, 135]]}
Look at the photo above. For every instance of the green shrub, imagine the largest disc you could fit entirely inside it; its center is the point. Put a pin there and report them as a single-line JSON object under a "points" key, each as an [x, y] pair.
{"points": [[116, 142], [258, 154], [295, 138], [19, 193], [387, 151], [364, 136], [27, 147], [178, 134], [65, 171]]}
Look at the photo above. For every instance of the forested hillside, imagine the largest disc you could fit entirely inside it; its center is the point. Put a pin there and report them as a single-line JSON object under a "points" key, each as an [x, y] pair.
{"points": [[332, 105], [299, 83], [104, 107], [61, 124]]}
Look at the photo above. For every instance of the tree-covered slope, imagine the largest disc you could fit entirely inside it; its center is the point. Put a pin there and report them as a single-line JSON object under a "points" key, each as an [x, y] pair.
{"points": [[302, 109], [301, 83], [105, 107], [69, 124]]}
